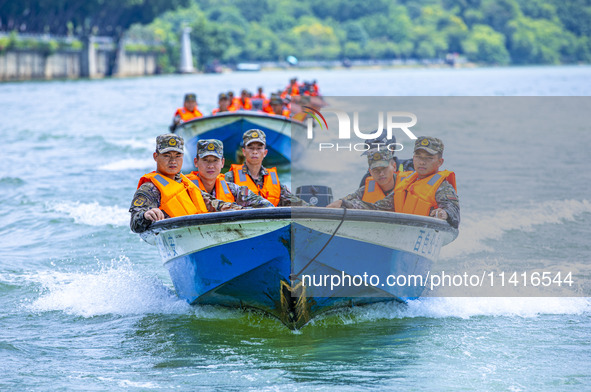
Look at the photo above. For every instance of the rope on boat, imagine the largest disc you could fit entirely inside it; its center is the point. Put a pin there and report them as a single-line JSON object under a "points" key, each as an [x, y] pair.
{"points": [[295, 276]]}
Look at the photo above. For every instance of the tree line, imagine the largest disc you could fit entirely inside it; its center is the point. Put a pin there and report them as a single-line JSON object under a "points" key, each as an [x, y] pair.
{"points": [[232, 31]]}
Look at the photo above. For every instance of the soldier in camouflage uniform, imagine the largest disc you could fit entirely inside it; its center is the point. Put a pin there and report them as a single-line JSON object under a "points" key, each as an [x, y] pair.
{"points": [[210, 161], [381, 168], [146, 200], [427, 160], [383, 143], [254, 150]]}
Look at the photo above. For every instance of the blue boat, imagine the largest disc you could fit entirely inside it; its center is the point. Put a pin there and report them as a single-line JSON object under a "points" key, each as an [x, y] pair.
{"points": [[286, 138], [285, 261]]}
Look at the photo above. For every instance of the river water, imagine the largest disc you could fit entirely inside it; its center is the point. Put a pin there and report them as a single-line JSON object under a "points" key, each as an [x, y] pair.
{"points": [[86, 305]]}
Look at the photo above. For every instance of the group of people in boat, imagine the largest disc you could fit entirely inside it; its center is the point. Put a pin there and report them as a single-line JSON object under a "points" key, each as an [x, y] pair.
{"points": [[167, 193], [411, 186], [278, 103], [414, 186]]}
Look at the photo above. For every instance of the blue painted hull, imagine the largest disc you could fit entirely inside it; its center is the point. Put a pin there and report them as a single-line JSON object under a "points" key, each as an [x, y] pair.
{"points": [[261, 262], [230, 127]]}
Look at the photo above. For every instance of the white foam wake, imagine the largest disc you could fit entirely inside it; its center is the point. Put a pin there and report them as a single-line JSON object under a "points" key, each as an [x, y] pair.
{"points": [[93, 214], [116, 290], [145, 144], [128, 164], [476, 229], [462, 307]]}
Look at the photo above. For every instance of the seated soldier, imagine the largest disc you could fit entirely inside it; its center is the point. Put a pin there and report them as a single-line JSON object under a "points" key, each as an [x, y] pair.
{"points": [[209, 163], [381, 143], [426, 191], [278, 107], [188, 112], [166, 193], [245, 101], [234, 102], [223, 104], [262, 181], [378, 185]]}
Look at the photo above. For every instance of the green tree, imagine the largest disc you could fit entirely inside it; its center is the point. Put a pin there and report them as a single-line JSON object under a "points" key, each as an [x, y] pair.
{"points": [[536, 41], [498, 13], [575, 15], [483, 44], [316, 41]]}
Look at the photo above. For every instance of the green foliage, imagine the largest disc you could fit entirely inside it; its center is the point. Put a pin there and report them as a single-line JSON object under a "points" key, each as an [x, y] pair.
{"points": [[483, 44], [316, 41], [43, 45], [537, 41], [105, 17], [485, 31]]}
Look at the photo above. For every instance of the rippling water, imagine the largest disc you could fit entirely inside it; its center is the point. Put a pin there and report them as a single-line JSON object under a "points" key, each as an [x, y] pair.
{"points": [[86, 305]]}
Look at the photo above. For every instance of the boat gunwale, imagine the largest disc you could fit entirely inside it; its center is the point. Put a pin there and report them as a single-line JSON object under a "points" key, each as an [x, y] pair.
{"points": [[302, 213], [239, 113]]}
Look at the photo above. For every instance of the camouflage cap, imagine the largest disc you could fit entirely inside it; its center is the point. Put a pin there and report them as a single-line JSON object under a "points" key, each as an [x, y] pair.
{"points": [[222, 96], [379, 158], [254, 135], [190, 97], [213, 147], [169, 142], [430, 144]]}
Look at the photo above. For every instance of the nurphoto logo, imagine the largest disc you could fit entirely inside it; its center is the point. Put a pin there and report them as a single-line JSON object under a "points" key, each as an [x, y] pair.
{"points": [[392, 120]]}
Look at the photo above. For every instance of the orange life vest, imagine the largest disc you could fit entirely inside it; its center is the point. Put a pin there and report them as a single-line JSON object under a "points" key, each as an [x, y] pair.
{"points": [[284, 112], [292, 89], [412, 196], [246, 104], [236, 104], [186, 115], [222, 190], [373, 192], [176, 199], [271, 189]]}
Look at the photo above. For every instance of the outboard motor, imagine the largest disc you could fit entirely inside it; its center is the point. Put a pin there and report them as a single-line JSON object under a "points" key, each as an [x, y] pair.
{"points": [[316, 195]]}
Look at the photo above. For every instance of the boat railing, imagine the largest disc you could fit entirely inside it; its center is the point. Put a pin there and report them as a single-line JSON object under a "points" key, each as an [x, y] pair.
{"points": [[303, 213]]}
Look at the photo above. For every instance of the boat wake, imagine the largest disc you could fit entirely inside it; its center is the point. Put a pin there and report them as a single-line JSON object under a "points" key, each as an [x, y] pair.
{"points": [[457, 307], [128, 164], [120, 290], [114, 290], [142, 144], [475, 229], [92, 214]]}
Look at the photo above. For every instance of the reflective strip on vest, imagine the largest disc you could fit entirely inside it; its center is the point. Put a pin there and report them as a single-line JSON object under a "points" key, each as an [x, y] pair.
{"points": [[241, 176], [371, 186], [434, 179], [225, 186], [161, 179], [274, 179]]}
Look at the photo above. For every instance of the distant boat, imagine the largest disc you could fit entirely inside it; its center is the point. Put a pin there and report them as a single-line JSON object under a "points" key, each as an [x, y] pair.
{"points": [[248, 67], [263, 258], [286, 138]]}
